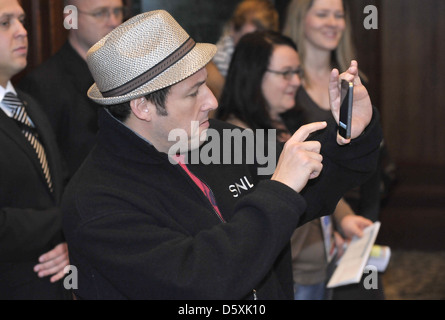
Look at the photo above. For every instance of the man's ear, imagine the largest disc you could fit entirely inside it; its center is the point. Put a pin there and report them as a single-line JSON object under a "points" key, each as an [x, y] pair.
{"points": [[142, 108]]}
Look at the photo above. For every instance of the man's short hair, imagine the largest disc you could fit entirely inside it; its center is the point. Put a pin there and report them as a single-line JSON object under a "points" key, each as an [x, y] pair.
{"points": [[122, 111]]}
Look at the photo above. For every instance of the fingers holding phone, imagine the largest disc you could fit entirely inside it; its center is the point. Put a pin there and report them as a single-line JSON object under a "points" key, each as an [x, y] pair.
{"points": [[361, 108]]}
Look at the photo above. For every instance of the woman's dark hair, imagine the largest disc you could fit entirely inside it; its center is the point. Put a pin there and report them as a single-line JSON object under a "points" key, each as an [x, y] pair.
{"points": [[242, 96]]}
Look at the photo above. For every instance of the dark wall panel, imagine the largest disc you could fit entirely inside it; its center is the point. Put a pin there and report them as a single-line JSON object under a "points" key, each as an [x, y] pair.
{"points": [[202, 19], [367, 43], [413, 79], [44, 21]]}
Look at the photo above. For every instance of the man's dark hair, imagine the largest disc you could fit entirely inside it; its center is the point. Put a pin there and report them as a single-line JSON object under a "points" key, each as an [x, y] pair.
{"points": [[122, 111]]}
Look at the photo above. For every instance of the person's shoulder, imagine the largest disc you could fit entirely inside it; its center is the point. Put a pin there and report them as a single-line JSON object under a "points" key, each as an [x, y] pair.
{"points": [[26, 97], [35, 108], [225, 41], [50, 73], [54, 65], [225, 47]]}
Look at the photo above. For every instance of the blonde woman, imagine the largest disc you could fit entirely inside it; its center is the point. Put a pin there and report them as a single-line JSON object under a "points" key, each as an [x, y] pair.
{"points": [[322, 31]]}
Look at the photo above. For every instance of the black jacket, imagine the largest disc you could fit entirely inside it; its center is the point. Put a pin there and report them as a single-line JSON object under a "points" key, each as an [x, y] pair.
{"points": [[60, 86], [139, 228], [30, 217]]}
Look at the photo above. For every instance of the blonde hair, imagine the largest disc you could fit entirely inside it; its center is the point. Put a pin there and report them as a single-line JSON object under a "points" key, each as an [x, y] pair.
{"points": [[262, 13], [294, 28]]}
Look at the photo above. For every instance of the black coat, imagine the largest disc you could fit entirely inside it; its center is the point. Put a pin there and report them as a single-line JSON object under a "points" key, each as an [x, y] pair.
{"points": [[30, 217], [60, 86], [139, 228]]}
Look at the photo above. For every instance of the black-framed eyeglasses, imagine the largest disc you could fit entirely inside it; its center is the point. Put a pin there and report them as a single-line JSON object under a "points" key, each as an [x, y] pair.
{"points": [[104, 14], [287, 75]]}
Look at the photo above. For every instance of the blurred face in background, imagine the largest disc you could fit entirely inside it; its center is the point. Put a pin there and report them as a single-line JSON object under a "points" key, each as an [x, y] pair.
{"points": [[13, 40], [281, 80], [96, 18], [324, 24], [245, 29], [250, 16]]}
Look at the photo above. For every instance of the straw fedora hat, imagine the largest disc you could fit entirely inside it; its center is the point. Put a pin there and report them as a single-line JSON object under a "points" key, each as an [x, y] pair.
{"points": [[149, 52]]}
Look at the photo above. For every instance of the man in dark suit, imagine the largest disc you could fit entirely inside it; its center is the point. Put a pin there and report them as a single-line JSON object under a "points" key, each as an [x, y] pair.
{"points": [[72, 115], [33, 252]]}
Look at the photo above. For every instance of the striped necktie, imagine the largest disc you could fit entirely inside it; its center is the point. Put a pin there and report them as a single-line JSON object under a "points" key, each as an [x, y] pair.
{"points": [[28, 130]]}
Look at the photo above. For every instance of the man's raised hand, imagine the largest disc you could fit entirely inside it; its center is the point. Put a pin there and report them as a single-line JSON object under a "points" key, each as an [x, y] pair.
{"points": [[300, 160]]}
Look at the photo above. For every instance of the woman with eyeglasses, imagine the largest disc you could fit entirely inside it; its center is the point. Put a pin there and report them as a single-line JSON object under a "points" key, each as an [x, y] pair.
{"points": [[262, 81]]}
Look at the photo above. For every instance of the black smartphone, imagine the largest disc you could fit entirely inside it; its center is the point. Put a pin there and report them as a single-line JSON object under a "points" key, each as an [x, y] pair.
{"points": [[347, 90]]}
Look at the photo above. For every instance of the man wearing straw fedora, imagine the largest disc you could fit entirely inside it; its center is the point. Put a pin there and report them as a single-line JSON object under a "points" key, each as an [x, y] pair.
{"points": [[142, 223]]}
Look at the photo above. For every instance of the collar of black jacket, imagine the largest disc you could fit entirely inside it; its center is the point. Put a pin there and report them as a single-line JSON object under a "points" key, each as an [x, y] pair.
{"points": [[123, 142]]}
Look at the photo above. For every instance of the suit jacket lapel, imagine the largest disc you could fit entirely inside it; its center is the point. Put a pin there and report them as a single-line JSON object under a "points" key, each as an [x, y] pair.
{"points": [[13, 131], [48, 140]]}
